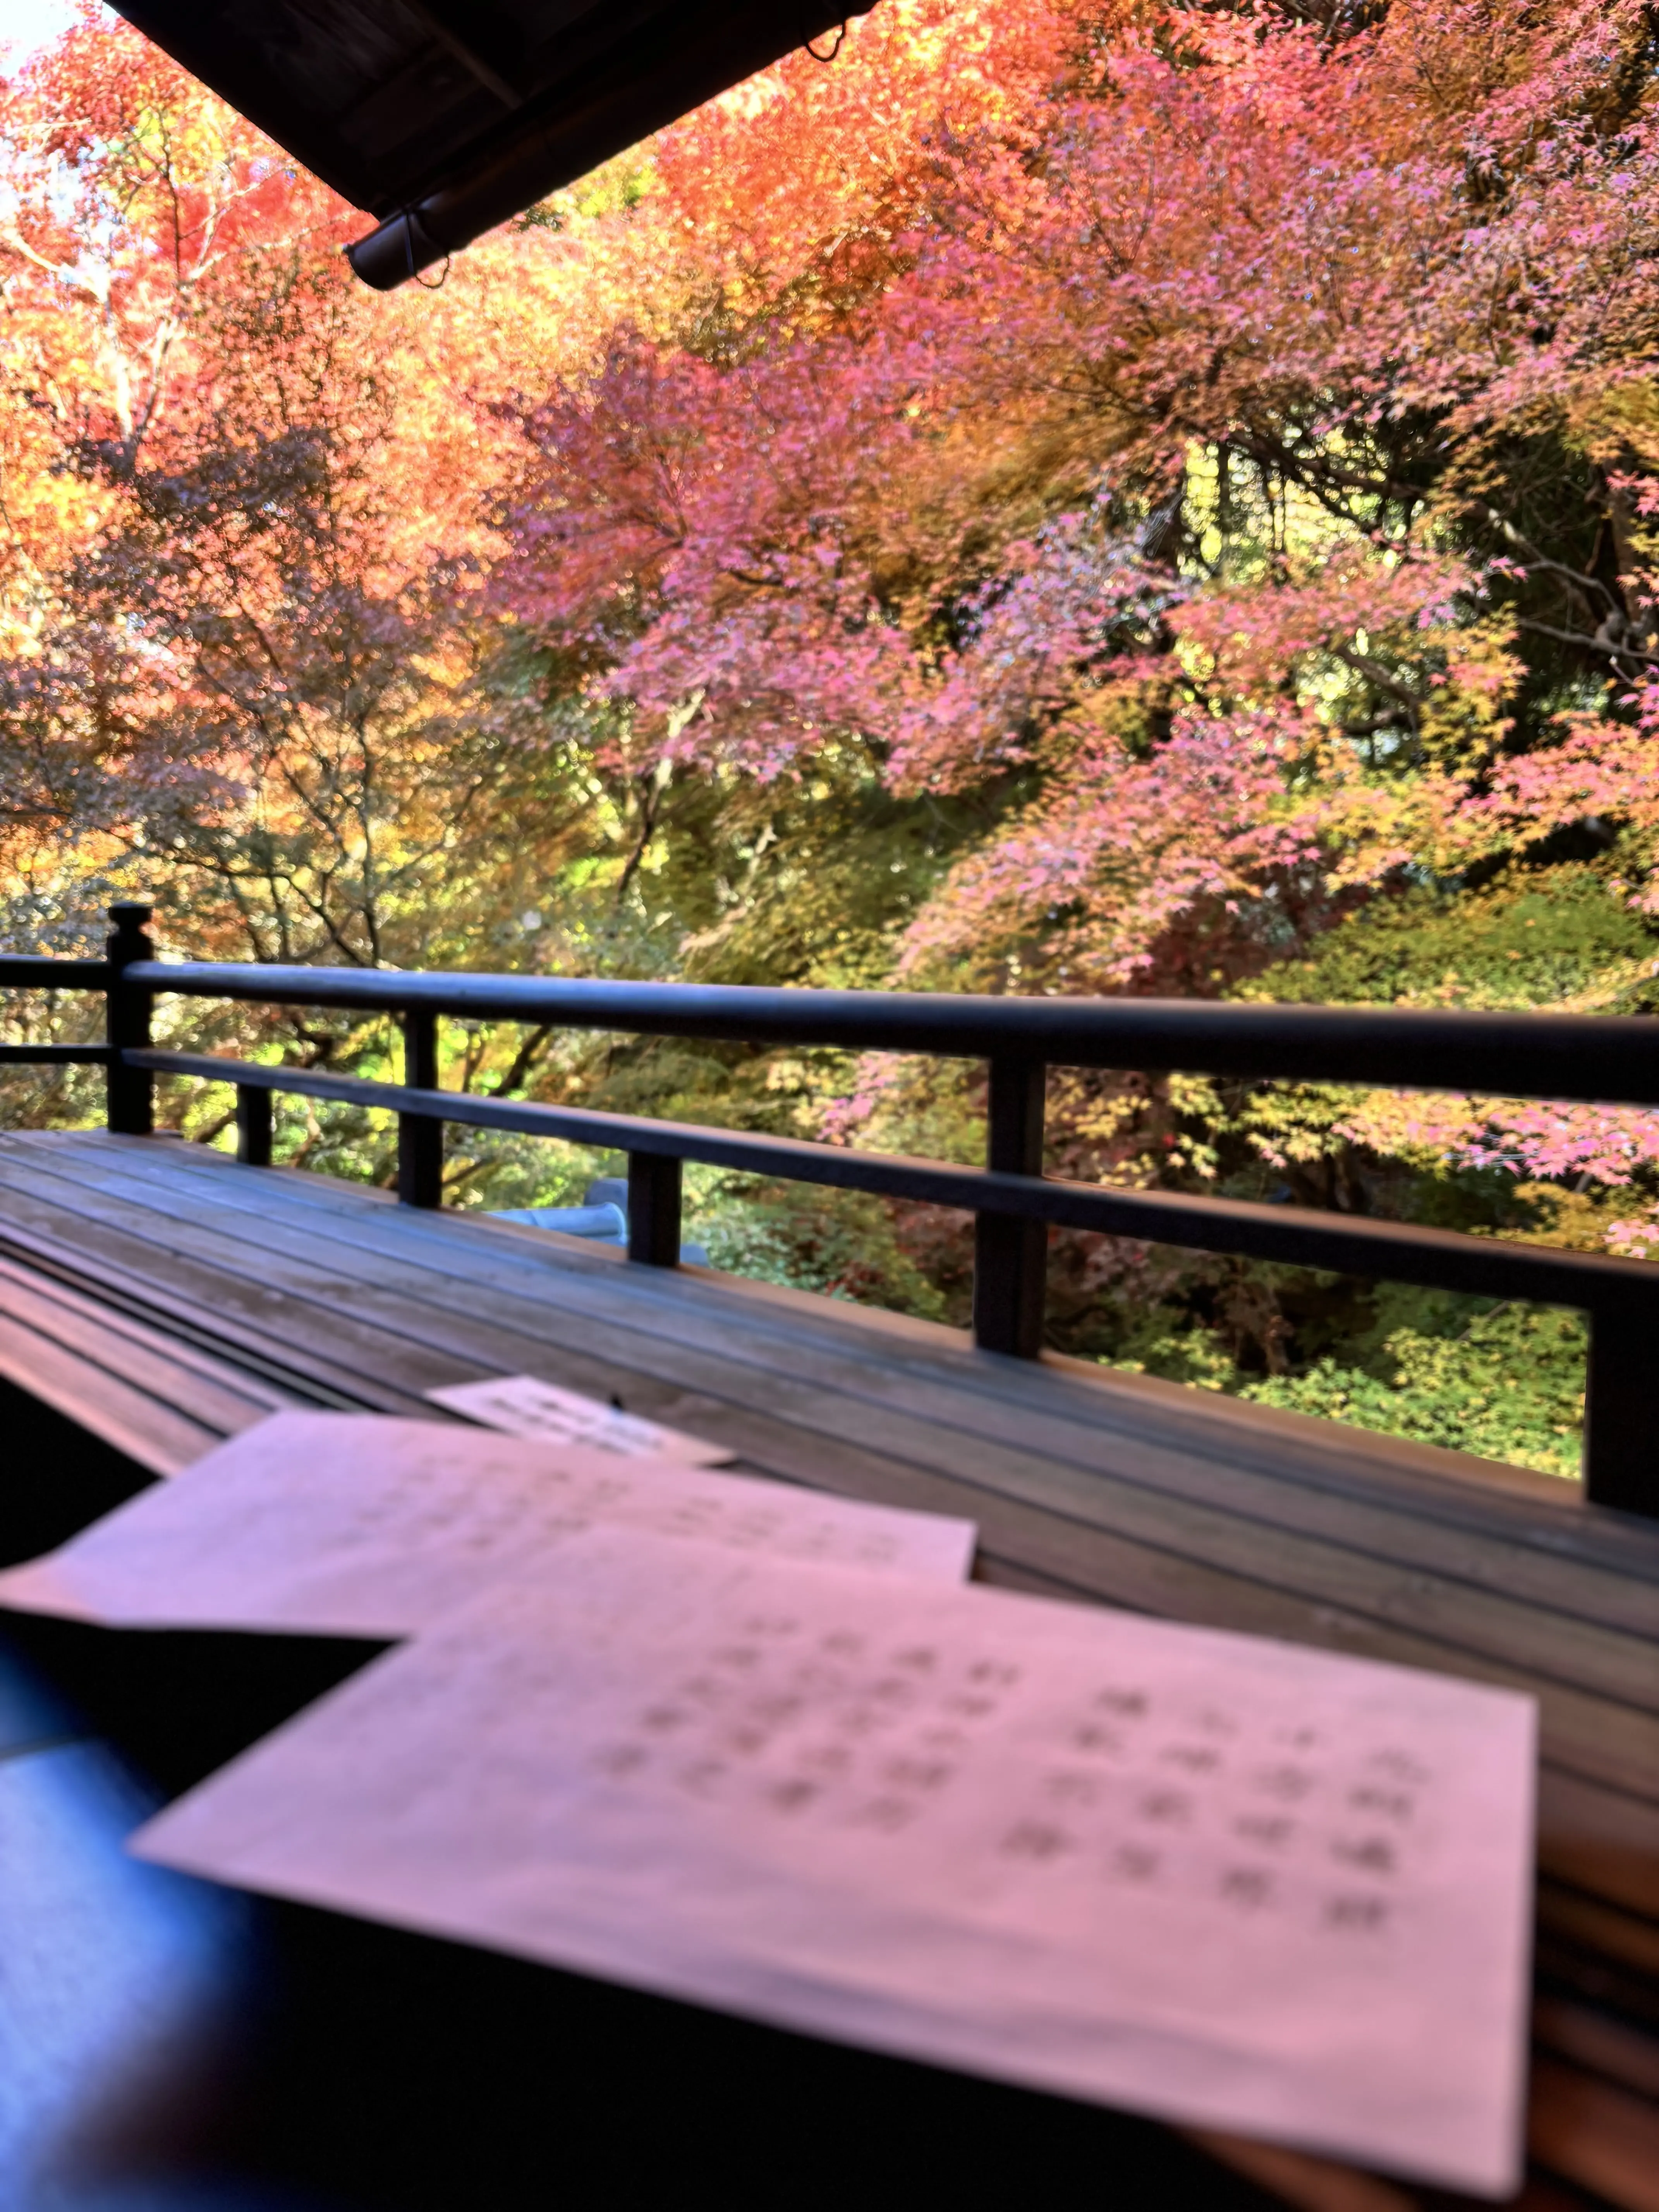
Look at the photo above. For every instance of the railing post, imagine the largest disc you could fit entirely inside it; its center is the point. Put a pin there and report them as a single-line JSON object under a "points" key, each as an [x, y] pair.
{"points": [[1011, 1256], [131, 1091], [253, 1107], [654, 1182], [1621, 1433], [420, 1137]]}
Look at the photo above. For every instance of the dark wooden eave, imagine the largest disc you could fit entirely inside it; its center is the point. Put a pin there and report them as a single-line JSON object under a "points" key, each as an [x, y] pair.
{"points": [[444, 120]]}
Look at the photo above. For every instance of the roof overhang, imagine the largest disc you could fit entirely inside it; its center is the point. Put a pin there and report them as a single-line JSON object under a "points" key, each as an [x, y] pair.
{"points": [[446, 117]]}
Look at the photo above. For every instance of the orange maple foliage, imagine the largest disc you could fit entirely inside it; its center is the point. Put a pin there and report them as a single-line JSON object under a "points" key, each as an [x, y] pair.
{"points": [[1221, 440]]}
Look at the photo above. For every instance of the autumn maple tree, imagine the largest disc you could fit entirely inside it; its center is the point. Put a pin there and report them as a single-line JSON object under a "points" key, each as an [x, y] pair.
{"points": [[1063, 497]]}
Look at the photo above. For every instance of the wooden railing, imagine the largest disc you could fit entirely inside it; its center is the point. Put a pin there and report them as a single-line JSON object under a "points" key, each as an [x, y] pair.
{"points": [[1553, 1056]]}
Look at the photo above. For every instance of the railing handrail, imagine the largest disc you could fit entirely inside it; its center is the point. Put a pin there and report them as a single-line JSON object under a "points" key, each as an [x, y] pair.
{"points": [[1608, 1060], [38, 971], [1604, 1058], [54, 1055]]}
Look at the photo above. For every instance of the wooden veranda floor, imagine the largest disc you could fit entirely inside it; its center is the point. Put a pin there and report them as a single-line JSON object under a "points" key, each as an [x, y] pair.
{"points": [[161, 1296]]}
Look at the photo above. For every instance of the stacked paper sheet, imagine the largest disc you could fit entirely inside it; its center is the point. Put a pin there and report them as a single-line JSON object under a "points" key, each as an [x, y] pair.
{"points": [[525, 1407], [349, 1525], [766, 1750]]}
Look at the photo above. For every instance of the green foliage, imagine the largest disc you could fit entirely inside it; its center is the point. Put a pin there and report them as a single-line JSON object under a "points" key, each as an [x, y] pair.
{"points": [[1509, 1386], [1504, 1382], [842, 1243], [1536, 937]]}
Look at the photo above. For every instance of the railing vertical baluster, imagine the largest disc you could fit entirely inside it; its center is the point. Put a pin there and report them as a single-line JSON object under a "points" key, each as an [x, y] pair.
{"points": [[654, 1186], [131, 1092], [253, 1108], [420, 1136], [1011, 1256], [1621, 1436]]}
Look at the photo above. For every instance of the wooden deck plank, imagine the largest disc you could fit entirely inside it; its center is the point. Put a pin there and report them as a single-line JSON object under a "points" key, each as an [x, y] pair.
{"points": [[1595, 2134], [561, 1270], [1481, 1590], [221, 1398], [1595, 1931], [1326, 1454], [1589, 2039], [1600, 1578], [137, 1297], [154, 1434], [831, 1462], [355, 1364], [1599, 1839], [1617, 1666], [1246, 1439], [135, 1291], [141, 1390]]}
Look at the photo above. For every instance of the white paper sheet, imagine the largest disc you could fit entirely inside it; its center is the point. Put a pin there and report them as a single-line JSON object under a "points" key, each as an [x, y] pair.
{"points": [[524, 1407], [1223, 1880], [352, 1524]]}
